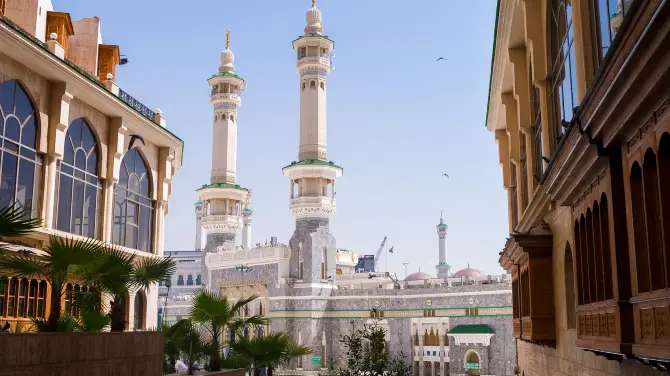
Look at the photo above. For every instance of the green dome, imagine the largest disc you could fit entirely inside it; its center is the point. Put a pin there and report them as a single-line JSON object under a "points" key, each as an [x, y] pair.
{"points": [[198, 203]]}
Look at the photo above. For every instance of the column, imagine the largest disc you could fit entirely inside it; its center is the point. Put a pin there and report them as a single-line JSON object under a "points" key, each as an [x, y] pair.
{"points": [[115, 152], [58, 124]]}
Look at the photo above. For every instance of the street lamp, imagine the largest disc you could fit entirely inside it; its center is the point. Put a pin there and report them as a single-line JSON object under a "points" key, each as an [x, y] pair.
{"points": [[405, 264], [244, 269], [168, 284]]}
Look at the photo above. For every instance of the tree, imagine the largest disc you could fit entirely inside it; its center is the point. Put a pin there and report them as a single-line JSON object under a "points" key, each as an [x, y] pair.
{"points": [[118, 272], [368, 353], [190, 342], [216, 313], [275, 349], [64, 259], [170, 348]]}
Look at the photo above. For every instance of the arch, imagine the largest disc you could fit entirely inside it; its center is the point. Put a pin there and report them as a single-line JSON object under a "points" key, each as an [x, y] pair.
{"points": [[651, 205], [21, 163], [180, 280], [605, 244], [578, 262], [232, 118], [312, 84], [224, 117], [198, 280], [322, 85], [664, 189], [591, 257], [139, 314], [639, 231], [189, 280], [584, 260], [470, 359], [78, 187], [246, 332], [260, 333], [569, 287], [133, 206]]}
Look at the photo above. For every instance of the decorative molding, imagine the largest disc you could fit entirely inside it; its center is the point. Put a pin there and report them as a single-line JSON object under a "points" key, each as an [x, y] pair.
{"points": [[649, 124], [366, 297], [590, 189]]}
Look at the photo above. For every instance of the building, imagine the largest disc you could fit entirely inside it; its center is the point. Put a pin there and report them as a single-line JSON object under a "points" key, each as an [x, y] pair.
{"points": [[174, 296], [77, 151], [455, 324], [578, 104]]}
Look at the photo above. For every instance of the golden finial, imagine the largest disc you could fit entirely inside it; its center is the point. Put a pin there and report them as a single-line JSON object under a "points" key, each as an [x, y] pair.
{"points": [[441, 213], [227, 39], [313, 3]]}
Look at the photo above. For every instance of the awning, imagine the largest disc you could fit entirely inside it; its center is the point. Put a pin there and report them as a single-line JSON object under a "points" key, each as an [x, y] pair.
{"points": [[469, 334], [471, 329]]}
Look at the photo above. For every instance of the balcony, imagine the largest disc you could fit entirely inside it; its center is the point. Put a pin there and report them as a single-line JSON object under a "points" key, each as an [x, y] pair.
{"points": [[306, 207], [651, 318], [225, 97], [222, 223], [322, 59]]}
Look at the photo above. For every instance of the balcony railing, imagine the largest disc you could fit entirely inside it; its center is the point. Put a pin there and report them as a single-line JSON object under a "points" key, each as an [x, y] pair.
{"points": [[137, 105]]}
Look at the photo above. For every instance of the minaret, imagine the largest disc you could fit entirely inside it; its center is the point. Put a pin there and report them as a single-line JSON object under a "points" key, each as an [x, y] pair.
{"points": [[223, 198], [312, 195], [442, 267], [247, 213], [198, 225]]}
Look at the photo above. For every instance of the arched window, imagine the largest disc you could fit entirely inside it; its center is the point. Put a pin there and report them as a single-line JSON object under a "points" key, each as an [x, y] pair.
{"points": [[19, 161], [322, 85], [198, 280], [232, 118], [68, 299], [78, 185], [312, 84], [664, 189], [651, 205], [607, 256], [564, 82], [41, 298], [189, 280], [133, 206], [639, 232], [569, 287], [303, 85], [472, 363], [180, 280], [259, 332], [246, 332], [140, 308]]}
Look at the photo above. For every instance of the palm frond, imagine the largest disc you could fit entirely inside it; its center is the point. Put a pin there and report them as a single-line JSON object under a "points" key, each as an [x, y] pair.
{"points": [[15, 221], [236, 309], [152, 270], [23, 265], [62, 253], [111, 272]]}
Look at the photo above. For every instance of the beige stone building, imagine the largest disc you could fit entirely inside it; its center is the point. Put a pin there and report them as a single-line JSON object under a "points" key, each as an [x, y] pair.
{"points": [[76, 150], [578, 104]]}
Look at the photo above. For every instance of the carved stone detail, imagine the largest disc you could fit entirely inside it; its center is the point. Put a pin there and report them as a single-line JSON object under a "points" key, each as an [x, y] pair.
{"points": [[590, 189]]}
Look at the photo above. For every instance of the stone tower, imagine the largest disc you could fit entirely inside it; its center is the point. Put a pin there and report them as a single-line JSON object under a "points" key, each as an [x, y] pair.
{"points": [[442, 267], [223, 198], [312, 183], [247, 213], [199, 206]]}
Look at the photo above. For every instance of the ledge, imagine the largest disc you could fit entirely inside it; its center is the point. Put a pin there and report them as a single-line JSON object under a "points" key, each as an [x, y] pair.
{"points": [[221, 185], [306, 162]]}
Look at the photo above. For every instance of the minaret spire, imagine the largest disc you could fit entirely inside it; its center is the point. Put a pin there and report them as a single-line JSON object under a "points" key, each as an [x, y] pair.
{"points": [[313, 3], [442, 267], [228, 39]]}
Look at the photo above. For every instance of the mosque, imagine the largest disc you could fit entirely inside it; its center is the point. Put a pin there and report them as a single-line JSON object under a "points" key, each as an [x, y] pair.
{"points": [[448, 324]]}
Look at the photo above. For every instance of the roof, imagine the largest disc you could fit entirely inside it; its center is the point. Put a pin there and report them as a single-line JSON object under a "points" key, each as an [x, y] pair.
{"points": [[221, 185], [199, 202], [442, 225], [471, 329], [313, 162], [223, 74], [468, 272], [315, 35], [419, 276]]}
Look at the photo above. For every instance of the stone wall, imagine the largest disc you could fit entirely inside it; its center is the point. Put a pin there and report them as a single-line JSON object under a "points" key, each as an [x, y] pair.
{"points": [[95, 354], [309, 241]]}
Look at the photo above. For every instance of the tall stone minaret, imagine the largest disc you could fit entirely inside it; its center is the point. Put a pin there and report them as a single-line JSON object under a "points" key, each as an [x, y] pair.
{"points": [[247, 213], [223, 198], [198, 225], [312, 183], [442, 267]]}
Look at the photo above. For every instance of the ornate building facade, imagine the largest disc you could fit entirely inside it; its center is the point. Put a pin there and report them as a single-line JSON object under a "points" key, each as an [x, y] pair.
{"points": [[77, 152], [578, 104]]}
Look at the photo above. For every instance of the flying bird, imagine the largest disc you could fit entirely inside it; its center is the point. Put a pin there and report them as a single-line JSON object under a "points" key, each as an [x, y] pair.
{"points": [[446, 175], [441, 58], [134, 137]]}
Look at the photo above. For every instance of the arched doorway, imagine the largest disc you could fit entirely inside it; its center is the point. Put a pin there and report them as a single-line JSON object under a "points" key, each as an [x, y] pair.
{"points": [[139, 321], [472, 364]]}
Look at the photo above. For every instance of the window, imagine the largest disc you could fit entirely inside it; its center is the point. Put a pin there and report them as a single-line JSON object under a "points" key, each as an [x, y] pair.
{"points": [[138, 322], [300, 271], [260, 308], [569, 287], [472, 312], [524, 170], [41, 299], [198, 280], [232, 118], [312, 84], [515, 196], [180, 280], [20, 164], [189, 280], [322, 85], [538, 148], [3, 6], [323, 270], [68, 300], [23, 291], [607, 16], [78, 185], [564, 81], [133, 207], [429, 312], [375, 313]]}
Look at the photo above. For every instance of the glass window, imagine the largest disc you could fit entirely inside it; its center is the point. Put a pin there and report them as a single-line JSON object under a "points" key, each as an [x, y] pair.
{"points": [[20, 163], [607, 17], [189, 280], [139, 311], [198, 280], [180, 280], [564, 80], [133, 207]]}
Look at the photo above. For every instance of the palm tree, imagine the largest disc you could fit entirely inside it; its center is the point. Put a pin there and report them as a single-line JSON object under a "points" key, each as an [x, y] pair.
{"points": [[190, 342], [275, 349], [15, 221], [170, 348], [216, 313], [118, 272], [63, 260]]}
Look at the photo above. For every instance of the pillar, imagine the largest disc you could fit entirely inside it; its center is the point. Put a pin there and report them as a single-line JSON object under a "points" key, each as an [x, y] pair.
{"points": [[115, 150]]}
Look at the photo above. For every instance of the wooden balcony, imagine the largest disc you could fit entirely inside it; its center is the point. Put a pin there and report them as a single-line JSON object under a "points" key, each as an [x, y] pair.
{"points": [[517, 328], [651, 317], [599, 327]]}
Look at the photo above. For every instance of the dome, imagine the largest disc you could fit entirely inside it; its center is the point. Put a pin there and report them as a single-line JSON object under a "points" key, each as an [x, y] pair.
{"points": [[313, 18], [418, 276], [468, 272], [227, 60]]}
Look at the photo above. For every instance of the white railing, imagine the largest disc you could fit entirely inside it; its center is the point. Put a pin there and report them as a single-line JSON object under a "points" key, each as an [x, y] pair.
{"points": [[221, 218], [262, 253], [312, 200], [322, 59]]}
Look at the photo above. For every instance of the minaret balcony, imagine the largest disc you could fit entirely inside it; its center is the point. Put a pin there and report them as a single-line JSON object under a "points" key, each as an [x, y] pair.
{"points": [[222, 98], [306, 207], [222, 223], [320, 60]]}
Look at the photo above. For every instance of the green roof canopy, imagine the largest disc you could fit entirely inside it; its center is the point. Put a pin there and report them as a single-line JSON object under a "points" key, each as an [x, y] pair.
{"points": [[471, 329], [221, 74], [313, 162], [222, 185]]}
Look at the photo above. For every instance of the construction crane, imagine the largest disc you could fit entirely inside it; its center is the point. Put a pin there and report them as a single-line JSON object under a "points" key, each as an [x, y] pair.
{"points": [[379, 252]]}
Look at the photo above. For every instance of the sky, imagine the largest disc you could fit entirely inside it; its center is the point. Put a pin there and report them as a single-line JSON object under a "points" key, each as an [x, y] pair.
{"points": [[397, 119]]}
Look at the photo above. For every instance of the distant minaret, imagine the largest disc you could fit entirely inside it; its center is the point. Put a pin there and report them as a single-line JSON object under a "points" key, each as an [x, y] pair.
{"points": [[246, 223], [442, 267], [199, 206], [223, 198]]}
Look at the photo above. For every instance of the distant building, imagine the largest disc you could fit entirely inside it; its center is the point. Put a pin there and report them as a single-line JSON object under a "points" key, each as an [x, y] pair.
{"points": [[365, 264], [77, 152]]}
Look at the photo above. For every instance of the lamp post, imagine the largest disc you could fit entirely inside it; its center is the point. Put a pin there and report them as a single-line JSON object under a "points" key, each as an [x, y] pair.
{"points": [[405, 264], [244, 269], [168, 284]]}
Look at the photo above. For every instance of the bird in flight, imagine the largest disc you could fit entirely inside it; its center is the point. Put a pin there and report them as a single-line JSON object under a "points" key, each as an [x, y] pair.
{"points": [[441, 58], [446, 175]]}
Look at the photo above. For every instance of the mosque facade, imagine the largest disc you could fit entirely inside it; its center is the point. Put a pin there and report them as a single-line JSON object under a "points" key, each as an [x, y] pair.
{"points": [[448, 324]]}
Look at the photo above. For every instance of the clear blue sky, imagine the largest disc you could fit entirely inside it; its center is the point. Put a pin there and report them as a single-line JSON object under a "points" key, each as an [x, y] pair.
{"points": [[397, 119]]}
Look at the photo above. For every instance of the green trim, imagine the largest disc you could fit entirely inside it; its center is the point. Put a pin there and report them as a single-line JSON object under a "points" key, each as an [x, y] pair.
{"points": [[305, 162], [227, 74], [199, 203], [221, 185], [314, 35], [82, 72], [381, 308], [471, 329], [368, 316], [493, 58]]}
